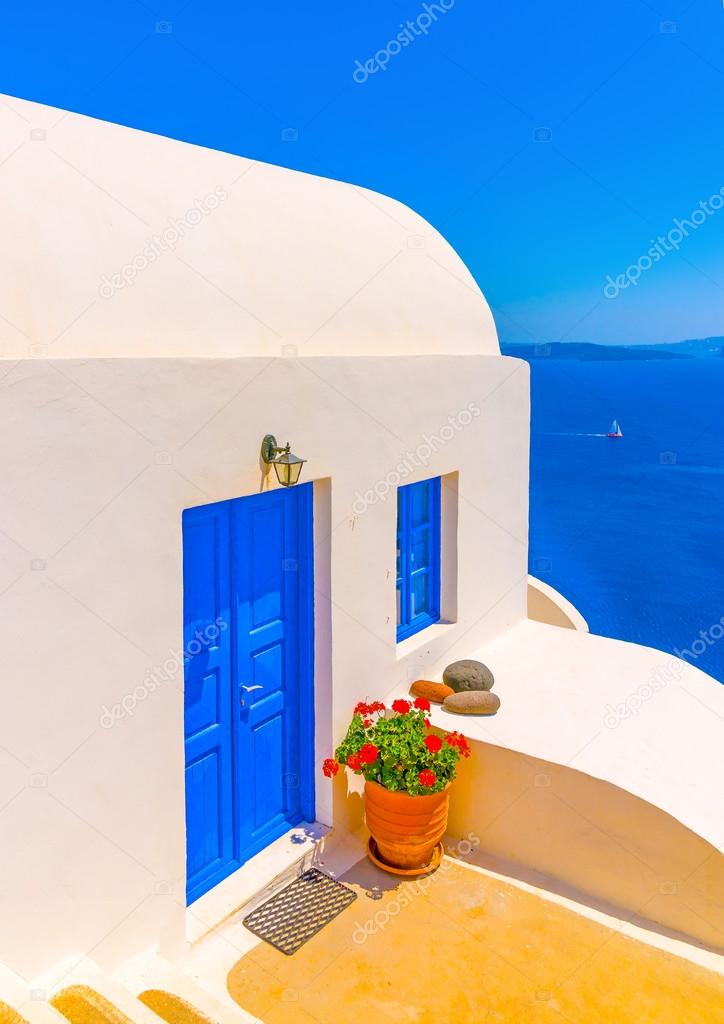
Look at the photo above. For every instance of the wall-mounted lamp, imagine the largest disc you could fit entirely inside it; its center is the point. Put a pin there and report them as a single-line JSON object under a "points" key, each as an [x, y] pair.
{"points": [[287, 466]]}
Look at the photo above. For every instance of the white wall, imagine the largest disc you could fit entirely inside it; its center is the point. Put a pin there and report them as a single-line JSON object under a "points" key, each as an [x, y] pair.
{"points": [[283, 259], [100, 456]]}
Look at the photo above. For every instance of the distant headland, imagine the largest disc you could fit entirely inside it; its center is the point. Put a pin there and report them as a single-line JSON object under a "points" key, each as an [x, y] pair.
{"points": [[693, 348]]}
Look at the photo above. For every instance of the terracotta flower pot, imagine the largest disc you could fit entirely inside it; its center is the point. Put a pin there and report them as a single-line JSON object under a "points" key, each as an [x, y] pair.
{"points": [[406, 828]]}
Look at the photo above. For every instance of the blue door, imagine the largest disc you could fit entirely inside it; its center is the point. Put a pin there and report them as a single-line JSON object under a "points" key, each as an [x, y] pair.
{"points": [[248, 642]]}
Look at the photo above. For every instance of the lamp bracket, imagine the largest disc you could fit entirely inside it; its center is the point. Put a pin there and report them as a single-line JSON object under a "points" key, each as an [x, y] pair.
{"points": [[270, 449]]}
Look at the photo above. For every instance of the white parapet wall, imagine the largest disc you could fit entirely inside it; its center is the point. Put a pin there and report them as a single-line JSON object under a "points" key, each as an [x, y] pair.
{"points": [[545, 604], [595, 778]]}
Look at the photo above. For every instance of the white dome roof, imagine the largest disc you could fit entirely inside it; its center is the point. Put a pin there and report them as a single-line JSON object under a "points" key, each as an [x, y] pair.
{"points": [[122, 243]]}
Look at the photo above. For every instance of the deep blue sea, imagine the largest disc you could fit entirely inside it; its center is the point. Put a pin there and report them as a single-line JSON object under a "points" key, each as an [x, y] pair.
{"points": [[632, 530]]}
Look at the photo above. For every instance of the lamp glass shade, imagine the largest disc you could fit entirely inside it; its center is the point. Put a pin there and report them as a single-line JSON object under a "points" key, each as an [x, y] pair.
{"points": [[288, 468]]}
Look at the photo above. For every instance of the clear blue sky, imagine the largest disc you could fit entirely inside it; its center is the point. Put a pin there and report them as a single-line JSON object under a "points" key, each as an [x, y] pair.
{"points": [[630, 95]]}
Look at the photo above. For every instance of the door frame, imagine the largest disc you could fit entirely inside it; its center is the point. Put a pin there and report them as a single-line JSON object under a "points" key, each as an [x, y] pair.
{"points": [[306, 632], [304, 497]]}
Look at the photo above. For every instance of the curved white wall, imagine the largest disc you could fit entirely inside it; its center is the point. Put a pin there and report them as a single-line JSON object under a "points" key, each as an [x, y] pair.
{"points": [[121, 243], [545, 604]]}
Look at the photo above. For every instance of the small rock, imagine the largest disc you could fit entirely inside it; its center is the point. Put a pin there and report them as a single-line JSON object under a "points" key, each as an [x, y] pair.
{"points": [[434, 692], [472, 702], [468, 675]]}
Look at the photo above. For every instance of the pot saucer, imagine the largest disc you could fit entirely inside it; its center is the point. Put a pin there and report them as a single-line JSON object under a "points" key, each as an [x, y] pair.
{"points": [[427, 869]]}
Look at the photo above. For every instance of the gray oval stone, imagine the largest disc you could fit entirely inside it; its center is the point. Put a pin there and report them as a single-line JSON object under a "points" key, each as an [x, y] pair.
{"points": [[472, 702], [468, 675]]}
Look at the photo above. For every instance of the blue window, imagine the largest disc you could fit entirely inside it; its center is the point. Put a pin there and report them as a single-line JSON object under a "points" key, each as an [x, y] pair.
{"points": [[418, 556]]}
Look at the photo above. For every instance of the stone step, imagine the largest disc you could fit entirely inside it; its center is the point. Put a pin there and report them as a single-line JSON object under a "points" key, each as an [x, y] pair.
{"points": [[284, 858], [176, 997], [37, 1011], [209, 961], [14, 990], [81, 1004], [173, 1008], [89, 995], [25, 999], [10, 1016]]}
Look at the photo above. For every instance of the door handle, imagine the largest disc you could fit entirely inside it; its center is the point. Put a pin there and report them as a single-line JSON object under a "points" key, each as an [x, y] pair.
{"points": [[248, 689]]}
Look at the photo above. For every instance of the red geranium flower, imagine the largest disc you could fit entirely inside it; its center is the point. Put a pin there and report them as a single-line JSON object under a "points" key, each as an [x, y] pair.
{"points": [[401, 706], [361, 708], [368, 753], [455, 739], [433, 743], [330, 767], [375, 707], [422, 704], [427, 778], [353, 762], [366, 722]]}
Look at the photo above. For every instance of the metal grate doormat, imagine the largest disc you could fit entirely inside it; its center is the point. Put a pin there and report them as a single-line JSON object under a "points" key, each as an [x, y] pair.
{"points": [[299, 911]]}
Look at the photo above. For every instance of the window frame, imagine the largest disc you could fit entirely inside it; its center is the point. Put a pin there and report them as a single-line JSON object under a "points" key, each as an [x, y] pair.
{"points": [[405, 536]]}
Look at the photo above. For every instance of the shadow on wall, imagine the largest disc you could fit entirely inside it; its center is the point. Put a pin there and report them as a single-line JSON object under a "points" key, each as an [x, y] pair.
{"points": [[349, 804], [580, 837]]}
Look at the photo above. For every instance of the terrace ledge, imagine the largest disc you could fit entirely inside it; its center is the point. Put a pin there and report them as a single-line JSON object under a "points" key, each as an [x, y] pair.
{"points": [[589, 778]]}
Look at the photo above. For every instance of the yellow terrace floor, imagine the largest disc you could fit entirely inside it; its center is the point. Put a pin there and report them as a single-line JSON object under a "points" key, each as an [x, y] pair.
{"points": [[462, 946]]}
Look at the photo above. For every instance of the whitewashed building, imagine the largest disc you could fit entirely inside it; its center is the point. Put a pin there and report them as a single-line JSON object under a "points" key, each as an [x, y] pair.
{"points": [[163, 307]]}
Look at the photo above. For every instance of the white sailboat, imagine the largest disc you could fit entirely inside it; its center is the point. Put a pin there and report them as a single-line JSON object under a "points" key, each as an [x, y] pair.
{"points": [[615, 430]]}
